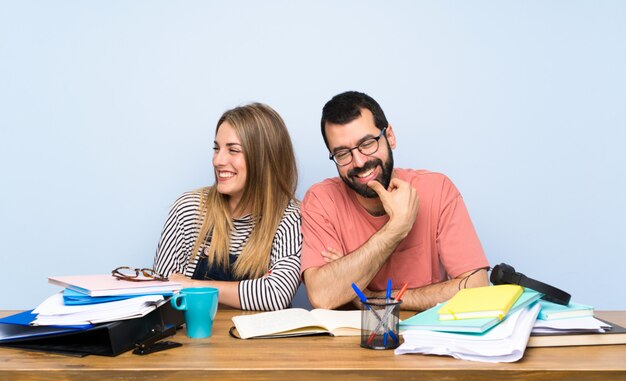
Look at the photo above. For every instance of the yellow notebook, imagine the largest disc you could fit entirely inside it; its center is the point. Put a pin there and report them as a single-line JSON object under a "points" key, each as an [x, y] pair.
{"points": [[481, 302]]}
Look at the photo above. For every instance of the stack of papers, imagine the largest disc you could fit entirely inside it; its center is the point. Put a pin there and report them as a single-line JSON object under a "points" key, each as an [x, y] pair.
{"points": [[574, 325], [506, 342], [92, 299], [573, 332], [53, 311]]}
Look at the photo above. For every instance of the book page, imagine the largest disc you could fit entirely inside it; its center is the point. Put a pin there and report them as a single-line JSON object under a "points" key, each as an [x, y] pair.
{"points": [[274, 322], [340, 323]]}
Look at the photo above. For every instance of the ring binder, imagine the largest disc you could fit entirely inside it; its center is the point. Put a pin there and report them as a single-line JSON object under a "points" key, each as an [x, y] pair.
{"points": [[104, 339]]}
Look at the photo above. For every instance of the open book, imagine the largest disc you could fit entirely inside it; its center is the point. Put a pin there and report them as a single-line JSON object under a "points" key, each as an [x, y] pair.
{"points": [[298, 322]]}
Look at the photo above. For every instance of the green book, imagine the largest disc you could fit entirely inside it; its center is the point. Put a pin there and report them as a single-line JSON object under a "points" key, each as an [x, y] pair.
{"points": [[553, 311], [429, 319]]}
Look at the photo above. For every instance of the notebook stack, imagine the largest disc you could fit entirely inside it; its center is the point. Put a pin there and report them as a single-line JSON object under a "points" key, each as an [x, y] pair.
{"points": [[489, 324], [94, 314], [573, 325], [92, 299]]}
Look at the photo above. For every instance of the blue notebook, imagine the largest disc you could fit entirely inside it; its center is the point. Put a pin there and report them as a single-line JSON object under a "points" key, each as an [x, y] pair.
{"points": [[553, 311], [17, 327], [429, 319], [72, 297]]}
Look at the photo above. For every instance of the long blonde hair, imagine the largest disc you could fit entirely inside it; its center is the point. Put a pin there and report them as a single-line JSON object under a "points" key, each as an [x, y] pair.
{"points": [[269, 187]]}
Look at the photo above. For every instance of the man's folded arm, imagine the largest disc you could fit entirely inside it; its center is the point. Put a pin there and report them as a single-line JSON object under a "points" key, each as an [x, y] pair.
{"points": [[423, 298], [330, 286]]}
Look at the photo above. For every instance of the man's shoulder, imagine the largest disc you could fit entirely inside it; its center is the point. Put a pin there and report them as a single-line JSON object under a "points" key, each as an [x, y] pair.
{"points": [[428, 183], [421, 175], [328, 193], [332, 185]]}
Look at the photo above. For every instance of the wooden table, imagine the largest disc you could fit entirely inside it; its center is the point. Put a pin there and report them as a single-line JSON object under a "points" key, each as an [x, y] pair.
{"points": [[221, 357]]}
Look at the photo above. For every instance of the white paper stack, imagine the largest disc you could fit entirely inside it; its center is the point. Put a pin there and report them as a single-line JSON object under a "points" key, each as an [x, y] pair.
{"points": [[571, 325], [54, 312], [505, 342]]}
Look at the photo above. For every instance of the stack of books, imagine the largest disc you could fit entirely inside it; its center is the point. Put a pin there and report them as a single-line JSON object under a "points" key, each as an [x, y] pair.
{"points": [[106, 285], [497, 324], [572, 325], [92, 299], [489, 324], [95, 314]]}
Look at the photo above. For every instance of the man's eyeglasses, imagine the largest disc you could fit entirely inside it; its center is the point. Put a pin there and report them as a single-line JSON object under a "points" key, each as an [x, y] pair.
{"points": [[367, 147], [137, 275]]}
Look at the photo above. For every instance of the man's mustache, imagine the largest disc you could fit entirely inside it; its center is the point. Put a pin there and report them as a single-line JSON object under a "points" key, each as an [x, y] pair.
{"points": [[366, 167]]}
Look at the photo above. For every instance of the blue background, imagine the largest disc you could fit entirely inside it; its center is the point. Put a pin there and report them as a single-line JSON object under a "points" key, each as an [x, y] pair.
{"points": [[108, 110]]}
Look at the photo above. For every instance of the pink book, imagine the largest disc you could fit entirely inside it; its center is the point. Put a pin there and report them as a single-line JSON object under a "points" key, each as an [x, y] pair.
{"points": [[108, 285]]}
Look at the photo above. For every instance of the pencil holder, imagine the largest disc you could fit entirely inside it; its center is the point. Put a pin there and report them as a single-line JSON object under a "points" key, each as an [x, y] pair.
{"points": [[380, 319]]}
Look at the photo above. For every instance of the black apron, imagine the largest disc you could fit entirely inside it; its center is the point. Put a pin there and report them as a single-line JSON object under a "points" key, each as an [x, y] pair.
{"points": [[205, 272]]}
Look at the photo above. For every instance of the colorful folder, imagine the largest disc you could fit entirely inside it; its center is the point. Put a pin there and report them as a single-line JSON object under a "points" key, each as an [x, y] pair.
{"points": [[75, 298]]}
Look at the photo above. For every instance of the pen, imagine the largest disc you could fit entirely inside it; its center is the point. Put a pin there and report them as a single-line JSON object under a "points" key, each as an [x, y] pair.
{"points": [[385, 316], [360, 294], [363, 299], [400, 293], [387, 298]]}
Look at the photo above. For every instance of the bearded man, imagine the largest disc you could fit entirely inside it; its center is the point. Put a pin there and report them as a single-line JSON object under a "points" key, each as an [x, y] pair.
{"points": [[375, 222]]}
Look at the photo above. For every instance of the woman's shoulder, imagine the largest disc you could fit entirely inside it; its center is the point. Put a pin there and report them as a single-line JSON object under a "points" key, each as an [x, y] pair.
{"points": [[292, 209], [291, 215], [190, 200], [289, 226]]}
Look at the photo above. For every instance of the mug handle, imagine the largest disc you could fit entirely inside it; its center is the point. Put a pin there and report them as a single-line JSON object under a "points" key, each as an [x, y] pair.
{"points": [[183, 303]]}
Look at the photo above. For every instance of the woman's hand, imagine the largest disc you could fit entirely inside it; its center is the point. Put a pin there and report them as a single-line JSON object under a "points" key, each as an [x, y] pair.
{"points": [[180, 278], [228, 290]]}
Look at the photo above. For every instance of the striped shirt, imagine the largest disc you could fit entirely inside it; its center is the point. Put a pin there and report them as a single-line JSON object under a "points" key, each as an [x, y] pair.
{"points": [[273, 291]]}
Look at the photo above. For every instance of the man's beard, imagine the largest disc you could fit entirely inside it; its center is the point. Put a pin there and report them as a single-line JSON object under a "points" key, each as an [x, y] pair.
{"points": [[384, 177]]}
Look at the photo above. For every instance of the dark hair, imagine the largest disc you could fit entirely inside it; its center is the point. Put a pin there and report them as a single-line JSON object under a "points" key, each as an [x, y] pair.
{"points": [[346, 107]]}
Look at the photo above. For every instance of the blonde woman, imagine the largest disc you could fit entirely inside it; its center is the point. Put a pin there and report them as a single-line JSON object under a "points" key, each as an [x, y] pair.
{"points": [[241, 235]]}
